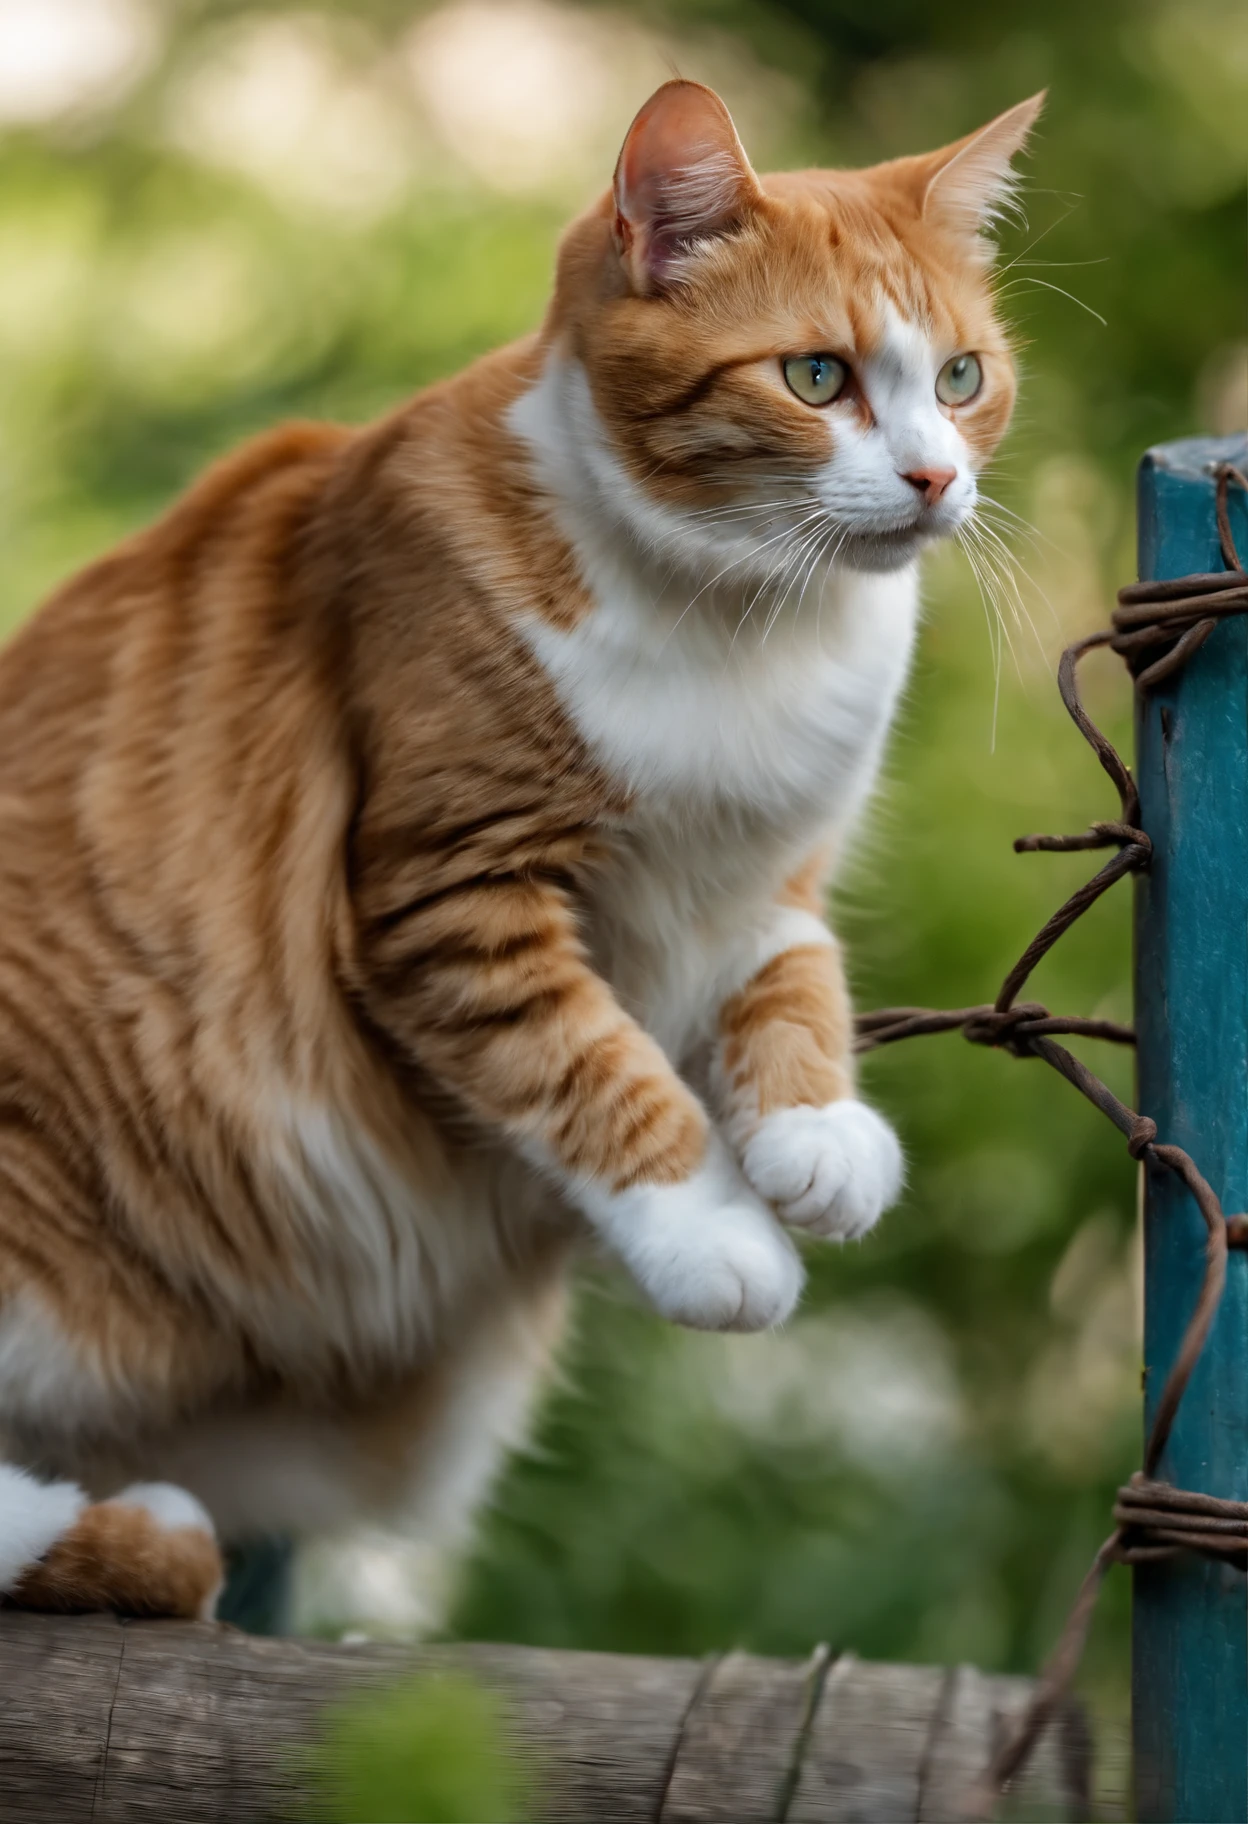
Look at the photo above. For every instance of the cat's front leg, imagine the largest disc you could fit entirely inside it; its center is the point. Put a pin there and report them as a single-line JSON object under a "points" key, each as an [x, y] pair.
{"points": [[825, 1161], [487, 988], [704, 1247]]}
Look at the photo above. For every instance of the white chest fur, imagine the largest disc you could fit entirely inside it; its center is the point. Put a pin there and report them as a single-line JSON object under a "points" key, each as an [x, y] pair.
{"points": [[693, 721], [745, 724], [738, 760]]}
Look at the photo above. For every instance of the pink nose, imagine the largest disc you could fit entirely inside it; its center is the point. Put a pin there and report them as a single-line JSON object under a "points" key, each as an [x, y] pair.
{"points": [[930, 483]]}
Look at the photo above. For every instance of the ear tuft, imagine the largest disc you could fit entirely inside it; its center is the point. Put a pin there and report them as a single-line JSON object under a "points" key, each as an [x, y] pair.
{"points": [[972, 183], [682, 178]]}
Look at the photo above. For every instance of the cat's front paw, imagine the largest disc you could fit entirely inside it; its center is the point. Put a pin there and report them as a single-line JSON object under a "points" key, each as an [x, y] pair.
{"points": [[727, 1269], [707, 1253], [832, 1171]]}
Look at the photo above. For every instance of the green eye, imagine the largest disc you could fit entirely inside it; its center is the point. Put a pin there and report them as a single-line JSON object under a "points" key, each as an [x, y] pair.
{"points": [[959, 380], [816, 379]]}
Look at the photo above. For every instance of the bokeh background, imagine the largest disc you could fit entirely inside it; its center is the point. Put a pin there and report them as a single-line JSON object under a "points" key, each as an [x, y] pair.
{"points": [[215, 214]]}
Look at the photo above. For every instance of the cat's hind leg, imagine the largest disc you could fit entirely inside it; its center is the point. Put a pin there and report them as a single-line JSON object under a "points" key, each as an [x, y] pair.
{"points": [[150, 1550]]}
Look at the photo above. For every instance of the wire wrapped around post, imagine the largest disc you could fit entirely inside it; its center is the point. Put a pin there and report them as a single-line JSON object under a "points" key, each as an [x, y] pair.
{"points": [[1156, 628]]}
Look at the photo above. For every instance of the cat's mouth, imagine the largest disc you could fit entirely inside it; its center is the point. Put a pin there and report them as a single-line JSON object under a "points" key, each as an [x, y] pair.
{"points": [[892, 547], [889, 536], [875, 551]]}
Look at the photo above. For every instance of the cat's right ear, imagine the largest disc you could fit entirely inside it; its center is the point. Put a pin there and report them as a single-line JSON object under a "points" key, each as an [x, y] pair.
{"points": [[682, 178]]}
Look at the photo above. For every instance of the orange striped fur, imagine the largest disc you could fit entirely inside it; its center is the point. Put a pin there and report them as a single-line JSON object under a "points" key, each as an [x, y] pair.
{"points": [[787, 1034]]}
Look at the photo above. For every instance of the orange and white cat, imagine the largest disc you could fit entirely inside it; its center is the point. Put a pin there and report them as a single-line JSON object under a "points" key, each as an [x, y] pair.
{"points": [[413, 853]]}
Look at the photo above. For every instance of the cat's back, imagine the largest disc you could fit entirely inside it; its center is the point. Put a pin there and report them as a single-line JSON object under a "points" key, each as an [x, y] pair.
{"points": [[121, 625]]}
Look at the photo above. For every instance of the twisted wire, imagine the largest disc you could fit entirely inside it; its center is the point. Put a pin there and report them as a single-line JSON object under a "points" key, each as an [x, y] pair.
{"points": [[1156, 628]]}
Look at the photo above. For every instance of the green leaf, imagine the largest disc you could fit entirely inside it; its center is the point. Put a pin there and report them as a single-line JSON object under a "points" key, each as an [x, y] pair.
{"points": [[432, 1750]]}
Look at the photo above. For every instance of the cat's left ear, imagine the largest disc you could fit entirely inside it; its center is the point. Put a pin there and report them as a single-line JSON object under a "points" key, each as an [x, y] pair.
{"points": [[971, 183], [682, 178]]}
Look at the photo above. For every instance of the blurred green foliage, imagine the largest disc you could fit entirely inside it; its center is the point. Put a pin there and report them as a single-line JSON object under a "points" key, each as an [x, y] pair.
{"points": [[432, 1750], [921, 1466]]}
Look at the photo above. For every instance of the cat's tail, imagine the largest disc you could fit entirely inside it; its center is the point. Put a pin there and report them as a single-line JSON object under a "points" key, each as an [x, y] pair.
{"points": [[151, 1550]]}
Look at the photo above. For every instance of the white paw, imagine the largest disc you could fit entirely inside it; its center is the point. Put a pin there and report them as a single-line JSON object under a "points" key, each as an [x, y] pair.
{"points": [[832, 1171], [728, 1268], [706, 1253]]}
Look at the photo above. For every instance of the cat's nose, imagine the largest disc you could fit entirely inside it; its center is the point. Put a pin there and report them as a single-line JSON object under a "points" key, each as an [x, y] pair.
{"points": [[930, 483]]}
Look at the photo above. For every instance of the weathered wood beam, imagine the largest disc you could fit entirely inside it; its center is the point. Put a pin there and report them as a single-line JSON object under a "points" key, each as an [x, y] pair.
{"points": [[172, 1723]]}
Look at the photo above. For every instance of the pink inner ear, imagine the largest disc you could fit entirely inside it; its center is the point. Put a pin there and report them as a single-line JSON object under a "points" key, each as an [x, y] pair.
{"points": [[681, 177]]}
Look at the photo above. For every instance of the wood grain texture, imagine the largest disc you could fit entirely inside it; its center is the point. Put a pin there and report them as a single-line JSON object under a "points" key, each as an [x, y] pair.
{"points": [[603, 1728], [185, 1723], [742, 1741], [868, 1744], [977, 1711]]}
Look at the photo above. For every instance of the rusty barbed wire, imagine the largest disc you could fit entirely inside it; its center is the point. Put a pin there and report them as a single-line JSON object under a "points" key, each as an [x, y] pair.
{"points": [[1152, 1519]]}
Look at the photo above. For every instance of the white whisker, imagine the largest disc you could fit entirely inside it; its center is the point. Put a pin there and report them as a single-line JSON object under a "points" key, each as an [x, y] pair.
{"points": [[755, 551], [1036, 240], [1006, 564], [1047, 285]]}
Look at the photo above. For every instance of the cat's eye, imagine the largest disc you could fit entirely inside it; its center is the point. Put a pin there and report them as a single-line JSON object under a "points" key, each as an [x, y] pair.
{"points": [[816, 379], [959, 380]]}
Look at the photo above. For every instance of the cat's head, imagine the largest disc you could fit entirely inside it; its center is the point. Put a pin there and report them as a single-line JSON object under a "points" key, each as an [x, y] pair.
{"points": [[753, 358]]}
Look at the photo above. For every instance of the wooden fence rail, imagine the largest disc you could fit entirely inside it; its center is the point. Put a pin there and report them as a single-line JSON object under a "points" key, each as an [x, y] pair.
{"points": [[171, 1723]]}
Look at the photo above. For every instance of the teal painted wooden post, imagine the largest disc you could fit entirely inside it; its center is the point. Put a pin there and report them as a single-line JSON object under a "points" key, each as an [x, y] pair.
{"points": [[1190, 1642]]}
